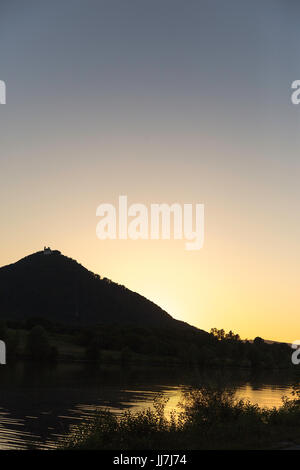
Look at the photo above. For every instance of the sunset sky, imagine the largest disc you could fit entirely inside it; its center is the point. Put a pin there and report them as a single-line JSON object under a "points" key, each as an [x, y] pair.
{"points": [[162, 101]]}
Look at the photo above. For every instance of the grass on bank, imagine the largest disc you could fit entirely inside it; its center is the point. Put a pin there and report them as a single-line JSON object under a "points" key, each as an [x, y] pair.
{"points": [[69, 350], [208, 419]]}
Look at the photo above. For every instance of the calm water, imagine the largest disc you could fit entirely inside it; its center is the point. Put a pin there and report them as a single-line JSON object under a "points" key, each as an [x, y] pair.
{"points": [[38, 406]]}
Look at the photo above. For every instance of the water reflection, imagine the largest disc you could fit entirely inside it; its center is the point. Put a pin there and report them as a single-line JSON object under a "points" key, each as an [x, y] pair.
{"points": [[40, 405]]}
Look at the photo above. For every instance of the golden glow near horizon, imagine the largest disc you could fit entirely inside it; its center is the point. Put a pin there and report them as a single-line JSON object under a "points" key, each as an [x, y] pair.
{"points": [[203, 292], [244, 278], [163, 102]]}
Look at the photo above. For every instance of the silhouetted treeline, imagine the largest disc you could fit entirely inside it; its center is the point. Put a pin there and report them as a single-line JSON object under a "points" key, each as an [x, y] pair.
{"points": [[38, 345], [191, 347]]}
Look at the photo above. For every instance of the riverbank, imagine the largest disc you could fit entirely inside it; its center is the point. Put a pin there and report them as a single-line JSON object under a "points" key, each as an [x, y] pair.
{"points": [[208, 419], [128, 345]]}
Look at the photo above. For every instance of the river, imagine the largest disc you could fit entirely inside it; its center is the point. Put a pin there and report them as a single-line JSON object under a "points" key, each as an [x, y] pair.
{"points": [[40, 405]]}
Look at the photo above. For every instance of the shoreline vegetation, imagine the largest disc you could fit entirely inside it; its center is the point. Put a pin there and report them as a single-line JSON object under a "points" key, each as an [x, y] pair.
{"points": [[208, 419], [40, 340]]}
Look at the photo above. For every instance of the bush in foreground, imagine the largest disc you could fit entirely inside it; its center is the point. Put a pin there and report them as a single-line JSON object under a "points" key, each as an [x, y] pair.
{"points": [[208, 419]]}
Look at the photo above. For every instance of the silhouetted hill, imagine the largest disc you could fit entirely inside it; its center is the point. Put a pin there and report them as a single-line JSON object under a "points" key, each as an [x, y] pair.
{"points": [[60, 289], [79, 309]]}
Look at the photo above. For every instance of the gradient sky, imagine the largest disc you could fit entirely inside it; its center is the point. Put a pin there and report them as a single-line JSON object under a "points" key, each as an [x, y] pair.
{"points": [[164, 101]]}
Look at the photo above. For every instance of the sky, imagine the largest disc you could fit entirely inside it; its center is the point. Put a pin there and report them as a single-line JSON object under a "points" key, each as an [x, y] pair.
{"points": [[162, 101]]}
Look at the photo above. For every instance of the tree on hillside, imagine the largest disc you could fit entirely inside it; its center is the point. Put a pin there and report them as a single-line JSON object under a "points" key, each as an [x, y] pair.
{"points": [[38, 346], [258, 341]]}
